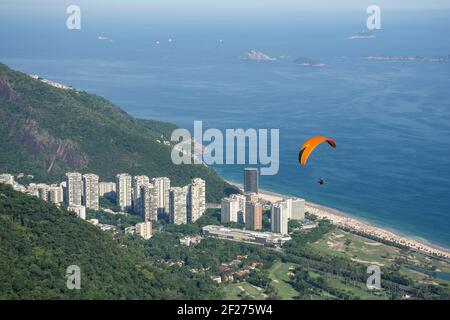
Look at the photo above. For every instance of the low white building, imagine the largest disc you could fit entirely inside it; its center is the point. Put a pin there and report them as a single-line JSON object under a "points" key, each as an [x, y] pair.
{"points": [[79, 210], [7, 178], [93, 221], [217, 279], [188, 240], [250, 236]]}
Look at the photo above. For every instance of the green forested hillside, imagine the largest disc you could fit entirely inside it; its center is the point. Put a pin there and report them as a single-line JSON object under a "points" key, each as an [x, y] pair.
{"points": [[46, 131], [39, 241]]}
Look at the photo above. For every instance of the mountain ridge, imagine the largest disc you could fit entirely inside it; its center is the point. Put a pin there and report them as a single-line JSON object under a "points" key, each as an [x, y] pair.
{"points": [[49, 131]]}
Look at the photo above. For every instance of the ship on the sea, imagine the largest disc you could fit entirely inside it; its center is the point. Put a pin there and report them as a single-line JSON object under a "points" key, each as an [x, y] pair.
{"points": [[362, 35], [307, 62]]}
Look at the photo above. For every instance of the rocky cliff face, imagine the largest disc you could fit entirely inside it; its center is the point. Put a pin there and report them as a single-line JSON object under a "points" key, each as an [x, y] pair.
{"points": [[7, 92], [52, 153]]}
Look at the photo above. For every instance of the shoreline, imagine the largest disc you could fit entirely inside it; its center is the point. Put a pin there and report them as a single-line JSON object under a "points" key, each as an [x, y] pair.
{"points": [[359, 226]]}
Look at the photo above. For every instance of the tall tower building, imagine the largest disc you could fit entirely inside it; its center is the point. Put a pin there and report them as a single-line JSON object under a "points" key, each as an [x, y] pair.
{"points": [[123, 191], [178, 205], [229, 210], [138, 182], [162, 187], [90, 191], [233, 209], [74, 188], [107, 189], [279, 217], [196, 199], [42, 190], [253, 215], [55, 194], [297, 209], [251, 180], [149, 202]]}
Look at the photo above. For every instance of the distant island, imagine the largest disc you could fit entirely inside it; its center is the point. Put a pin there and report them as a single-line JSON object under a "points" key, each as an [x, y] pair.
{"points": [[307, 62], [410, 58], [362, 35], [257, 56], [104, 38]]}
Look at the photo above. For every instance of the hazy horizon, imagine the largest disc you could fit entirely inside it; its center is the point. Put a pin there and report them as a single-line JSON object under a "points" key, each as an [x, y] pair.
{"points": [[212, 9]]}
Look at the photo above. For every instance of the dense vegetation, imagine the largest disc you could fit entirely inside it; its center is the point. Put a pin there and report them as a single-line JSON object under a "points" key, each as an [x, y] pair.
{"points": [[38, 242], [48, 131]]}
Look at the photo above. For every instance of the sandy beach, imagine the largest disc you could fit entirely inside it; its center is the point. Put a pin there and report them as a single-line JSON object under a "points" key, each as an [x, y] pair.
{"points": [[354, 225]]}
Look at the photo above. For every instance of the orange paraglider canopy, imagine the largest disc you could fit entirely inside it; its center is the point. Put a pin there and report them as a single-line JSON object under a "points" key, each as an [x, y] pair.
{"points": [[310, 145]]}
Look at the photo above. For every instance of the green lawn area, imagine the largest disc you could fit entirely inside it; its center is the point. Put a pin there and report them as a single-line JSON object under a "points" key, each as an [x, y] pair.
{"points": [[279, 275], [341, 243], [358, 289], [415, 275], [234, 291], [366, 251]]}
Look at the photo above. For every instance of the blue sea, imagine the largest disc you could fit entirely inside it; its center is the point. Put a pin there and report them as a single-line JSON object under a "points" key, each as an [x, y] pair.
{"points": [[390, 120]]}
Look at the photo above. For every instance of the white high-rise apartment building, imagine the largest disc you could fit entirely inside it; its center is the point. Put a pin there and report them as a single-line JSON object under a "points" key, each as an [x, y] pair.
{"points": [[123, 191], [229, 210], [74, 188], [32, 190], [42, 190], [178, 205], [233, 209], [279, 217], [196, 199], [55, 194], [90, 191], [297, 209], [138, 182], [144, 230], [241, 213], [162, 189], [107, 189], [149, 202]]}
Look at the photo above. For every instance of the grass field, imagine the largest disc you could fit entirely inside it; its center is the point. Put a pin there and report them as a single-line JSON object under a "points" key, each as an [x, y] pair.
{"points": [[279, 275], [363, 250], [236, 291], [341, 243]]}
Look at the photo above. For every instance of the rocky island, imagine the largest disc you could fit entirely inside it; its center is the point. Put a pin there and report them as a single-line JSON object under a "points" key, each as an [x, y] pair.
{"points": [[257, 56]]}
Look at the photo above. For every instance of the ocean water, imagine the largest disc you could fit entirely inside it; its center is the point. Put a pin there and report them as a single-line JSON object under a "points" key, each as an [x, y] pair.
{"points": [[390, 120]]}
